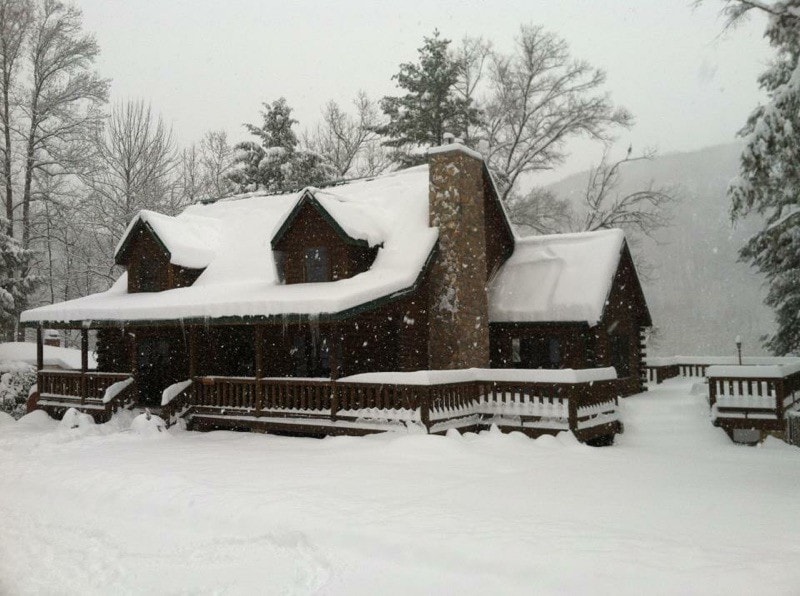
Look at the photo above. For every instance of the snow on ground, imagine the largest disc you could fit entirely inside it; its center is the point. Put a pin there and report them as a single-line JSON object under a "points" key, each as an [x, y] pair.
{"points": [[673, 508]]}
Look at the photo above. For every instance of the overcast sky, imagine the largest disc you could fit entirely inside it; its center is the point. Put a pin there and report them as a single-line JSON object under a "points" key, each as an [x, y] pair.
{"points": [[206, 64]]}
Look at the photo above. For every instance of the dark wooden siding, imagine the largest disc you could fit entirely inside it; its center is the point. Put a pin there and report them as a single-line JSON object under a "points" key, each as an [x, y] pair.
{"points": [[573, 338], [311, 230], [499, 241], [625, 316], [146, 252]]}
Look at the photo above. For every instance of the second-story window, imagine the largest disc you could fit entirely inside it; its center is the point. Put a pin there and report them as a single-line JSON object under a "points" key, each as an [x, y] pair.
{"points": [[317, 264]]}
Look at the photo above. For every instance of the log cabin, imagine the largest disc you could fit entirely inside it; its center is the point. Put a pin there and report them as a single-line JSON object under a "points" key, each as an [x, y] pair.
{"points": [[404, 300]]}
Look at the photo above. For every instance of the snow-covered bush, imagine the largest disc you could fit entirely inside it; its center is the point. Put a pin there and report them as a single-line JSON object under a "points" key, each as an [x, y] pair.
{"points": [[16, 380], [148, 424]]}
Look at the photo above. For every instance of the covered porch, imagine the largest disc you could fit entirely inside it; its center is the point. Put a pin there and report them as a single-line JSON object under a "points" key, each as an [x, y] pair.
{"points": [[250, 377]]}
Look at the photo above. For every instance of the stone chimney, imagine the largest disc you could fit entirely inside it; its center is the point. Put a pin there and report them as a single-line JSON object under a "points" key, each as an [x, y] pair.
{"points": [[458, 312]]}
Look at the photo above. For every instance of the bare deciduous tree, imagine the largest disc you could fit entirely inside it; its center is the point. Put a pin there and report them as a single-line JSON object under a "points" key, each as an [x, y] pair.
{"points": [[640, 212], [601, 206], [15, 20], [62, 99], [538, 98], [540, 212], [137, 160], [350, 143], [216, 159]]}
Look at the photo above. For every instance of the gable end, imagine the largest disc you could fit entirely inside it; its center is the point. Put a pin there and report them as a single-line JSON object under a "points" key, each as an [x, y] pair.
{"points": [[308, 199]]}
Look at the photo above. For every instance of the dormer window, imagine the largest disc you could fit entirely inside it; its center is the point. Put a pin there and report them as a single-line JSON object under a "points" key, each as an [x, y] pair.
{"points": [[317, 265]]}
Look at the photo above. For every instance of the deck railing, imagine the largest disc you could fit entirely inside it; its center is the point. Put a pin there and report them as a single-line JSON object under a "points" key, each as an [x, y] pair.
{"points": [[67, 388], [659, 369], [436, 406], [753, 397]]}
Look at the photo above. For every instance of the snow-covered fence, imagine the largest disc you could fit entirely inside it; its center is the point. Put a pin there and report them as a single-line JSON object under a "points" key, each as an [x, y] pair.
{"points": [[63, 389], [753, 397], [529, 400], [659, 369]]}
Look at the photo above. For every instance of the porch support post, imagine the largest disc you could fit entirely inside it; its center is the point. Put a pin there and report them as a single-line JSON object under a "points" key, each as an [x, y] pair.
{"points": [[333, 351], [39, 349], [131, 351], [192, 352], [258, 338], [84, 361], [193, 360]]}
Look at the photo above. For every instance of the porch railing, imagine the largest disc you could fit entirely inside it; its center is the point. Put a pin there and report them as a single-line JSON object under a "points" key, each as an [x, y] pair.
{"points": [[436, 407], [66, 388], [756, 397], [659, 369]]}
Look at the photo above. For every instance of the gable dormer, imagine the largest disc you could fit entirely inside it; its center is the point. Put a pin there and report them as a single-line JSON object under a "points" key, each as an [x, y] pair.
{"points": [[161, 252], [323, 239]]}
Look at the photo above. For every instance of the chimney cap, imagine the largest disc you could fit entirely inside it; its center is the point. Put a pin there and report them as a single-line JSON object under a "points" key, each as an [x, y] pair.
{"points": [[455, 146]]}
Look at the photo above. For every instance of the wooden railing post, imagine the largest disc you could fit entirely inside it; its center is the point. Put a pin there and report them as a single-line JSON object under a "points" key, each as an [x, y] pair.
{"points": [[780, 396], [425, 407], [573, 393], [334, 389], [39, 349], [712, 392]]}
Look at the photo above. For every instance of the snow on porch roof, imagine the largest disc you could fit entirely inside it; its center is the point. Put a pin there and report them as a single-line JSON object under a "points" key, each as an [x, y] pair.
{"points": [[191, 240], [557, 278], [240, 278]]}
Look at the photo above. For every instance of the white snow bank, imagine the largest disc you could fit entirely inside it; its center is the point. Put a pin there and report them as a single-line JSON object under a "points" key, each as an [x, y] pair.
{"points": [[191, 240], [173, 391], [75, 419], [115, 389], [241, 279], [751, 372], [560, 277], [149, 425], [37, 420], [718, 360], [481, 514], [6, 419], [19, 351], [511, 375]]}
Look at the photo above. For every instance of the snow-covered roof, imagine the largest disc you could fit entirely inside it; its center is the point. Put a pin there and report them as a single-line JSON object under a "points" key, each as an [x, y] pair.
{"points": [[240, 280], [191, 239], [351, 219], [559, 278], [68, 358]]}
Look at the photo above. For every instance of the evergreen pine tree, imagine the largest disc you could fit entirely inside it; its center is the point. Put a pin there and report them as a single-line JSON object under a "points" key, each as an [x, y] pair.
{"points": [[431, 106], [276, 163], [769, 178]]}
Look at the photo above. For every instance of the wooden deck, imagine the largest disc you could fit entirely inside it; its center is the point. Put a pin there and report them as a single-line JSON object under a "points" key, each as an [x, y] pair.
{"points": [[741, 403], [318, 407]]}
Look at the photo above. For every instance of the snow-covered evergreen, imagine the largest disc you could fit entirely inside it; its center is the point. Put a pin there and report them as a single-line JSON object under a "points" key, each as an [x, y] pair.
{"points": [[277, 163], [769, 180], [431, 105]]}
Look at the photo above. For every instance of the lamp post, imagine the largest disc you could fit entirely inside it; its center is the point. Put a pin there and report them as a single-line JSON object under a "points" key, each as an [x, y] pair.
{"points": [[739, 348]]}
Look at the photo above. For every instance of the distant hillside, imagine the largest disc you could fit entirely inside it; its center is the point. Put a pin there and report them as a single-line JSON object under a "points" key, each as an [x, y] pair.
{"points": [[700, 296]]}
